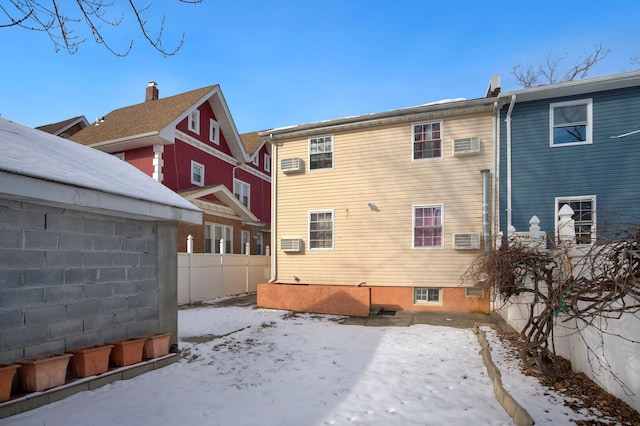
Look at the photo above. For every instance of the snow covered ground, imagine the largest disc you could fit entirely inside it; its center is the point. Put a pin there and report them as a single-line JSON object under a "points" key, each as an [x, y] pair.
{"points": [[246, 366]]}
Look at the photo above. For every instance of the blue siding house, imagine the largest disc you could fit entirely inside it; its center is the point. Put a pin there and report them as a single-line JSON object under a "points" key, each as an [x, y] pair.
{"points": [[575, 143]]}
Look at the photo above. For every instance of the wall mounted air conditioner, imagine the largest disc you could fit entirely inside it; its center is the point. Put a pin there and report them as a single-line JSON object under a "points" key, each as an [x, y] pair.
{"points": [[466, 146], [292, 245], [466, 241], [291, 165]]}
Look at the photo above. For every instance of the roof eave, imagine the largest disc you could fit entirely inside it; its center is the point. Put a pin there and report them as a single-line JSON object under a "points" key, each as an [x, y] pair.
{"points": [[573, 88], [132, 142], [418, 113]]}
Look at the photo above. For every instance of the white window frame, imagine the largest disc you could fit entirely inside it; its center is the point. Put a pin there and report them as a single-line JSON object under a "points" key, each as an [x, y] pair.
{"points": [[321, 140], [413, 226], [256, 159], [588, 124], [240, 189], [413, 140], [428, 292], [218, 230], [267, 163], [245, 237], [194, 166], [578, 222], [214, 131], [333, 220], [193, 121]]}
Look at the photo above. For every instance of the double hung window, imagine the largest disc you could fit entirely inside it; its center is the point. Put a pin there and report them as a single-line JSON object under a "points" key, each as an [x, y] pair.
{"points": [[321, 153], [194, 121], [321, 229], [571, 123], [584, 216], [242, 191], [197, 174], [427, 140], [428, 227], [213, 233]]}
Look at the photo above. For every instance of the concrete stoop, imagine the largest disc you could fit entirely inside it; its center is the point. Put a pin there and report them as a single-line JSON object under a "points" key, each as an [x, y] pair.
{"points": [[519, 415]]}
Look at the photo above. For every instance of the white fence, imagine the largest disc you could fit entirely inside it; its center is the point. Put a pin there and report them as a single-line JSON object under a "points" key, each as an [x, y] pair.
{"points": [[607, 353], [205, 276]]}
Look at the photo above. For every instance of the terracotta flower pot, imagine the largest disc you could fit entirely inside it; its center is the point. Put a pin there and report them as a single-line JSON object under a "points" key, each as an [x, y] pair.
{"points": [[89, 360], [42, 372], [156, 345], [7, 372], [126, 351]]}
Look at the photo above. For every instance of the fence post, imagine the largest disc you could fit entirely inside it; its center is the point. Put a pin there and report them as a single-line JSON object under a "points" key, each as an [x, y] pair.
{"points": [[512, 237], [566, 225], [267, 251], [247, 252], [534, 231], [190, 254]]}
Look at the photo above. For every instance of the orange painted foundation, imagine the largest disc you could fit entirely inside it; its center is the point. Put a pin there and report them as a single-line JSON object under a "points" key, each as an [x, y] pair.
{"points": [[323, 299], [357, 301]]}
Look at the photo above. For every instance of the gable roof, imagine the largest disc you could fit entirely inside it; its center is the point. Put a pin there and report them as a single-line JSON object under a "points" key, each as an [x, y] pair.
{"points": [[61, 126], [253, 142], [225, 196], [153, 122], [45, 168]]}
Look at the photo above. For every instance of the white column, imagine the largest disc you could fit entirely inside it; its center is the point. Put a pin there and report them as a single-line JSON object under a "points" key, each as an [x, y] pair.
{"points": [[158, 162]]}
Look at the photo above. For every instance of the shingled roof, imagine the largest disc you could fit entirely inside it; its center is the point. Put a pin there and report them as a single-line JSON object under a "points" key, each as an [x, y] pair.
{"points": [[60, 127], [251, 141], [141, 119]]}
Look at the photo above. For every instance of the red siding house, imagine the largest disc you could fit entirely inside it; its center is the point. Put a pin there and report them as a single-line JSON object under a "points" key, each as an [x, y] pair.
{"points": [[189, 143]]}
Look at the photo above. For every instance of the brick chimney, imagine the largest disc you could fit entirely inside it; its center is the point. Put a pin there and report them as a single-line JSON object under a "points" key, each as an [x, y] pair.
{"points": [[151, 92]]}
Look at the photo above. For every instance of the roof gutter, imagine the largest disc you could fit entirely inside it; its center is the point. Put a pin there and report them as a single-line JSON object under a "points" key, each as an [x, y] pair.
{"points": [[419, 113]]}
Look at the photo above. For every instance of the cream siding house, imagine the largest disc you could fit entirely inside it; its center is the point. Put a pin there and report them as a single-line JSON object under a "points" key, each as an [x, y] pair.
{"points": [[379, 211]]}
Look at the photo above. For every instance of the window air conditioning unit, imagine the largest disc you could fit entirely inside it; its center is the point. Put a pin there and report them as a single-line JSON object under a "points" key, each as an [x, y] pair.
{"points": [[466, 146], [293, 245], [466, 241], [291, 165]]}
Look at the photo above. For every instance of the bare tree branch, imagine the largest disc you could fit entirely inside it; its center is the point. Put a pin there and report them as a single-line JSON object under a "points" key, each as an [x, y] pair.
{"points": [[61, 22], [551, 70]]}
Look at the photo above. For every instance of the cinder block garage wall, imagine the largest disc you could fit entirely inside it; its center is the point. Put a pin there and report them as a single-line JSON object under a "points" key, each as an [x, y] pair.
{"points": [[69, 278]]}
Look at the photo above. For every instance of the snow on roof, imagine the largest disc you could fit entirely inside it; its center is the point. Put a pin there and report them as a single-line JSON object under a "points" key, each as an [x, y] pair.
{"points": [[35, 154]]}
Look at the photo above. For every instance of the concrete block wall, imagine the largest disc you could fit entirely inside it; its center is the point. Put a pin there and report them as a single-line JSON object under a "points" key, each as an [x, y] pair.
{"points": [[69, 278]]}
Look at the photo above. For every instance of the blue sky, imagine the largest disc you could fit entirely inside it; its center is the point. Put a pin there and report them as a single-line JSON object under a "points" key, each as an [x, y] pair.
{"points": [[282, 63]]}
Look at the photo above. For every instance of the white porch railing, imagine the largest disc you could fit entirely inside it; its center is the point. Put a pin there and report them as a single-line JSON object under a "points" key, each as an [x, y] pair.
{"points": [[205, 276]]}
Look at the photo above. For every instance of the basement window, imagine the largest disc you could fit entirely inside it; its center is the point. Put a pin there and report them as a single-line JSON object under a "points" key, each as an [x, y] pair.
{"points": [[427, 296]]}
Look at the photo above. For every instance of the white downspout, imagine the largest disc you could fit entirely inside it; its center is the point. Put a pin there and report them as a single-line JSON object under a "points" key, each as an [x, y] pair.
{"points": [[495, 166], [508, 121], [274, 209]]}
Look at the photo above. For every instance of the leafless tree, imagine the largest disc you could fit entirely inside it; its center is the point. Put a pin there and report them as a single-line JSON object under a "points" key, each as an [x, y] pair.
{"points": [[552, 70], [603, 285], [61, 21]]}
